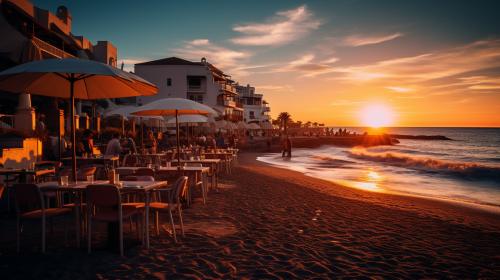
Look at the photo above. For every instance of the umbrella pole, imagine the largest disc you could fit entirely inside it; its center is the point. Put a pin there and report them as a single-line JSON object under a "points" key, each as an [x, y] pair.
{"points": [[187, 134], [178, 140], [72, 113]]}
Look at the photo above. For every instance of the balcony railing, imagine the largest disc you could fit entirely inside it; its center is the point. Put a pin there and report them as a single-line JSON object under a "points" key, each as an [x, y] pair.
{"points": [[228, 88], [52, 50]]}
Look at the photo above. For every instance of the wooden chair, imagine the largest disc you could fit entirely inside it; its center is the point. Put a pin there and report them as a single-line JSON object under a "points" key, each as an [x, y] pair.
{"points": [[30, 206], [172, 202], [104, 204]]}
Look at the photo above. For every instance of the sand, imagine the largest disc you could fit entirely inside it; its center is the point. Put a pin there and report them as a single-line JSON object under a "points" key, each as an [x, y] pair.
{"points": [[271, 223]]}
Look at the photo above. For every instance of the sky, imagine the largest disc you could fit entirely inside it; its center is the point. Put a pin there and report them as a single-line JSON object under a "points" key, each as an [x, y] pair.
{"points": [[421, 63]]}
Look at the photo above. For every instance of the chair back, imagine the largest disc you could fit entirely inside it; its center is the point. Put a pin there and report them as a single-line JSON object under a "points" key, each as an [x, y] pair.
{"points": [[84, 172], [145, 172], [130, 160], [103, 195], [180, 189], [28, 197], [139, 178]]}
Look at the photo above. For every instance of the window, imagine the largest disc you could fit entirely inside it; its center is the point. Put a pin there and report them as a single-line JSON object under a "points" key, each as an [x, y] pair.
{"points": [[197, 98], [252, 114], [169, 82], [194, 83]]}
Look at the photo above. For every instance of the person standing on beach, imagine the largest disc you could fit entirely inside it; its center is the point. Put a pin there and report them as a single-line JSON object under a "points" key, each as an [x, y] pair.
{"points": [[289, 147]]}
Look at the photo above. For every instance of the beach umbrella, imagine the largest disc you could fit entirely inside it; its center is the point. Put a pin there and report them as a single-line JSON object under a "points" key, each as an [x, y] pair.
{"points": [[266, 125], [188, 119], [174, 107], [73, 78], [241, 125], [253, 126]]}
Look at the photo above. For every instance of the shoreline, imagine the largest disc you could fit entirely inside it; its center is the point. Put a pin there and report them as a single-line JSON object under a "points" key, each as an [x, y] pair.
{"points": [[478, 213], [491, 208]]}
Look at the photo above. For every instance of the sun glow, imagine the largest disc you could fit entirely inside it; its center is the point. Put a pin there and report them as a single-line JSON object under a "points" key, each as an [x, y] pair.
{"points": [[376, 115]]}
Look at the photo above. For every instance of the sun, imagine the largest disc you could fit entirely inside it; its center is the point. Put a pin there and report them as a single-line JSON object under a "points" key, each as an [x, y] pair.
{"points": [[376, 115]]}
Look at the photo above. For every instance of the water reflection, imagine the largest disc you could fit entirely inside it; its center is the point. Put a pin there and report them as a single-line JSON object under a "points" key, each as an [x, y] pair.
{"points": [[369, 181]]}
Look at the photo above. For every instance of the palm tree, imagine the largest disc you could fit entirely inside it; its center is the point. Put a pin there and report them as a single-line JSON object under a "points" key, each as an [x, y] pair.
{"points": [[284, 118]]}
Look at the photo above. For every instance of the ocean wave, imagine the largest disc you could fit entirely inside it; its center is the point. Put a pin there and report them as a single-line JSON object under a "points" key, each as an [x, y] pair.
{"points": [[465, 170]]}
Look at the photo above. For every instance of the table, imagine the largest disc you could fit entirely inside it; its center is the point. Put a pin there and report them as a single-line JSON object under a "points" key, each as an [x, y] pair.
{"points": [[106, 159], [227, 157], [24, 173], [196, 171], [213, 163], [81, 186]]}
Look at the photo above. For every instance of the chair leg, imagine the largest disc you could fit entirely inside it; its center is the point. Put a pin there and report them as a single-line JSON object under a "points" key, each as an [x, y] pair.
{"points": [[157, 223], [180, 219], [173, 225], [120, 224], [89, 233], [43, 234], [18, 234]]}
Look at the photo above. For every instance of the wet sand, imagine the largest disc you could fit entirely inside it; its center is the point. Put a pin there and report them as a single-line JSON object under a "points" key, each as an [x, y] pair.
{"points": [[272, 223]]}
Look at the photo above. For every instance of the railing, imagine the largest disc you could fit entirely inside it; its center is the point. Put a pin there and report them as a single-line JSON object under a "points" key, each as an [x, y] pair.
{"points": [[229, 103], [229, 88], [50, 49]]}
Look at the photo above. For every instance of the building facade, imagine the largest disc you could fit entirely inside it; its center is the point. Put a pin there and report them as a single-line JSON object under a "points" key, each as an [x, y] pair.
{"points": [[198, 81], [256, 109], [30, 33]]}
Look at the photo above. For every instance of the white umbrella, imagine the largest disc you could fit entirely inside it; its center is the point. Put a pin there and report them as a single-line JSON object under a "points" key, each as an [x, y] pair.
{"points": [[188, 119], [221, 124], [231, 126], [73, 78], [174, 107], [266, 125], [241, 125], [253, 126]]}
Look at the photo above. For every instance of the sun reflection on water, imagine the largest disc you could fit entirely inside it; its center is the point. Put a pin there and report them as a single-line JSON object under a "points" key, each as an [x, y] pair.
{"points": [[370, 181]]}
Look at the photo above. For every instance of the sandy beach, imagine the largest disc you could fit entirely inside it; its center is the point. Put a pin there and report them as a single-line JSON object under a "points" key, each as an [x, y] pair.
{"points": [[272, 223]]}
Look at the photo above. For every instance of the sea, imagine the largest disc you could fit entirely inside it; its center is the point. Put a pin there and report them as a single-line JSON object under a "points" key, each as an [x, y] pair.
{"points": [[465, 169]]}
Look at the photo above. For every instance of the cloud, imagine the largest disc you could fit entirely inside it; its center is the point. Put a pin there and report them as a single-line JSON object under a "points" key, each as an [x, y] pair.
{"points": [[285, 27], [330, 60], [274, 88], [222, 57], [128, 63], [399, 89], [345, 102], [363, 40]]}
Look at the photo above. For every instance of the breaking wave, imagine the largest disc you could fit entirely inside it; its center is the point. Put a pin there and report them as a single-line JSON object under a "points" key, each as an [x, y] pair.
{"points": [[464, 170]]}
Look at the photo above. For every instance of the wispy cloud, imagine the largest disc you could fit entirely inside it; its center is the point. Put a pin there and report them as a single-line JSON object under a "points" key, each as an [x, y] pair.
{"points": [[399, 89], [363, 40], [274, 88], [284, 27], [345, 102], [224, 58]]}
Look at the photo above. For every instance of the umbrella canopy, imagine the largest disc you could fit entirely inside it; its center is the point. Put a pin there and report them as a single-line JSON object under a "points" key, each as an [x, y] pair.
{"points": [[221, 124], [231, 126], [92, 80], [174, 107], [73, 78], [266, 125], [188, 119], [241, 125], [253, 126], [169, 107]]}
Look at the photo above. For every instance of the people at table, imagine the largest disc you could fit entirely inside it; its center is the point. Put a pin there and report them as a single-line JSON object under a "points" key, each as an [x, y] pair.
{"points": [[88, 142], [150, 142], [114, 148], [129, 144]]}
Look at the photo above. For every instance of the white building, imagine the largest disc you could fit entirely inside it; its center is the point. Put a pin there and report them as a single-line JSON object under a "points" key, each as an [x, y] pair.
{"points": [[256, 109], [198, 81]]}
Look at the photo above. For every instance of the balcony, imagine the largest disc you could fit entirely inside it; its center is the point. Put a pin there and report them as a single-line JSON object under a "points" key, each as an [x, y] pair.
{"points": [[197, 89], [227, 88], [233, 118], [50, 49], [229, 103]]}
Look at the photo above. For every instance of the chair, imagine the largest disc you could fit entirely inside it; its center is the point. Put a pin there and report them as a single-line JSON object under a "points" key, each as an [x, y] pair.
{"points": [[173, 203], [30, 206], [139, 178], [144, 172], [200, 182], [104, 204], [130, 160]]}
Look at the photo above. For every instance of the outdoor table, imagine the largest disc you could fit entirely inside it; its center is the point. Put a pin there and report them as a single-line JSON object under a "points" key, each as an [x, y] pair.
{"points": [[24, 173], [104, 160], [194, 170], [227, 157], [140, 187], [213, 163]]}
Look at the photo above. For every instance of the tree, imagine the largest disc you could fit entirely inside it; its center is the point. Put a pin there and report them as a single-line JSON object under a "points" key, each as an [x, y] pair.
{"points": [[284, 118]]}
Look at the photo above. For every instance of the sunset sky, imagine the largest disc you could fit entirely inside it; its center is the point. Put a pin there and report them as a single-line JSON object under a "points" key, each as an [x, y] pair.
{"points": [[429, 63]]}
